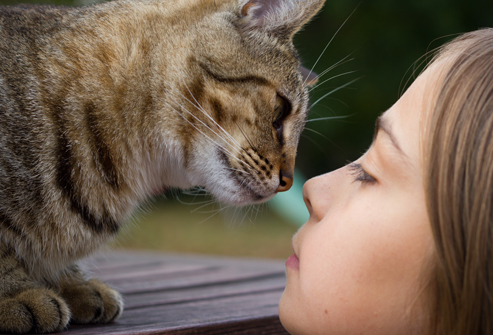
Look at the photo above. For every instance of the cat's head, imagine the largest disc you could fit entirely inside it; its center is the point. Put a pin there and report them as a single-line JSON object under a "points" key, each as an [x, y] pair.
{"points": [[244, 102]]}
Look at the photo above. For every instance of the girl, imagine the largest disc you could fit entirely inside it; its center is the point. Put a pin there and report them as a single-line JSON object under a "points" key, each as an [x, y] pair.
{"points": [[401, 241]]}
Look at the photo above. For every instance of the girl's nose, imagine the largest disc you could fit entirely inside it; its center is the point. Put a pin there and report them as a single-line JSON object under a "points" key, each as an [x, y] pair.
{"points": [[323, 192], [308, 204]]}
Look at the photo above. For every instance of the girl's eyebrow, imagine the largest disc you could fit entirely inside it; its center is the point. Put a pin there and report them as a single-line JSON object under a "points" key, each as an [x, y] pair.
{"points": [[382, 124]]}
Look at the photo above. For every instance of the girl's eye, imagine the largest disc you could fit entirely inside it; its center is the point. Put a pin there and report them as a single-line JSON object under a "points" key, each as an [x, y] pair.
{"points": [[360, 174]]}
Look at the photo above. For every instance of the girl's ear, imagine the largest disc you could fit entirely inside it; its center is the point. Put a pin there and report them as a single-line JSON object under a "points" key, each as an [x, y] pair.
{"points": [[283, 17]]}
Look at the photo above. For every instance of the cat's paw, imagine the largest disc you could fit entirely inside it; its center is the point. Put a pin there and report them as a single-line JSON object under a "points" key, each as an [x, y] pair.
{"points": [[36, 310], [92, 302]]}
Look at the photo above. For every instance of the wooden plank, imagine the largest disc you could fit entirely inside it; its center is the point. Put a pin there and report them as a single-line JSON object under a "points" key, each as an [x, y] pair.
{"points": [[167, 319], [202, 293], [264, 326], [164, 273], [161, 270], [219, 277], [176, 294]]}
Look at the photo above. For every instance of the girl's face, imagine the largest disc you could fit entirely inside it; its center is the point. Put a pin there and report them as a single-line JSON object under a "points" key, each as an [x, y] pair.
{"points": [[359, 260]]}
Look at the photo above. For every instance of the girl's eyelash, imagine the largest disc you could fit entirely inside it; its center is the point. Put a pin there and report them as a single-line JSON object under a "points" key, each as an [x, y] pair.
{"points": [[360, 174]]}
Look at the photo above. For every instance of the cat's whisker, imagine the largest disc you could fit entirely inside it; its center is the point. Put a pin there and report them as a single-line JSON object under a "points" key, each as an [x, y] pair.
{"points": [[316, 144], [197, 191], [246, 163], [215, 213], [195, 194], [249, 212], [196, 118], [199, 107], [318, 133], [214, 142], [333, 91], [333, 77], [343, 60], [181, 201], [222, 148], [205, 204], [257, 209], [242, 171], [213, 210], [328, 118], [323, 51], [325, 137], [234, 219], [260, 209], [234, 170], [335, 65], [244, 216], [194, 202], [207, 137], [244, 135]]}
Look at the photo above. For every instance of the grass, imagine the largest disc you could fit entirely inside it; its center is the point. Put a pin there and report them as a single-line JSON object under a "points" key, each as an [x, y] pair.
{"points": [[170, 225]]}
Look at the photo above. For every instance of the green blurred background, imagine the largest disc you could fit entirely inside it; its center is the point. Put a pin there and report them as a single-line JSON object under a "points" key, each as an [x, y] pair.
{"points": [[379, 44]]}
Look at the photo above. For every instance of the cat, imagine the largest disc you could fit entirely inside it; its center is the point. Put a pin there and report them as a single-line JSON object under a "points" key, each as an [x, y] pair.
{"points": [[101, 106]]}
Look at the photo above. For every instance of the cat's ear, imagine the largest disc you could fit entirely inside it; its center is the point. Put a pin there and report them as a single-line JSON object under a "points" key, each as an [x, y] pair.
{"points": [[284, 17]]}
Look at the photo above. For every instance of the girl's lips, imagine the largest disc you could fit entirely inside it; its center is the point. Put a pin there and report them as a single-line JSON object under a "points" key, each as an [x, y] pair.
{"points": [[293, 262]]}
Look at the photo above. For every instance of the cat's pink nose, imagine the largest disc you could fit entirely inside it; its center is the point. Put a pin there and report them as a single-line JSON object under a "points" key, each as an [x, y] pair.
{"points": [[285, 182]]}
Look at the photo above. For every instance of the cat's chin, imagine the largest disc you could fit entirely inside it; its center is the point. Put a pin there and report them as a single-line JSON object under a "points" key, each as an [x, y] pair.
{"points": [[246, 200], [243, 197]]}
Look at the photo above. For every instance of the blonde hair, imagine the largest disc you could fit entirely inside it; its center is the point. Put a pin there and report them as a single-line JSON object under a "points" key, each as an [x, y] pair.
{"points": [[459, 188]]}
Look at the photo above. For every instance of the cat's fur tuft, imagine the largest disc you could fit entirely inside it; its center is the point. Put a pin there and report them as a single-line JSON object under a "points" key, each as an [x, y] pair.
{"points": [[101, 106]]}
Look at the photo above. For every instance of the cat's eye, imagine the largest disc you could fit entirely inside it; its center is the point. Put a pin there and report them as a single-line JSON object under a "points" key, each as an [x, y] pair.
{"points": [[281, 111]]}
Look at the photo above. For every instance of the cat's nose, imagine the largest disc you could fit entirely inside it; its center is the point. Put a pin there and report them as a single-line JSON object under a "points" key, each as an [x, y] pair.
{"points": [[285, 182]]}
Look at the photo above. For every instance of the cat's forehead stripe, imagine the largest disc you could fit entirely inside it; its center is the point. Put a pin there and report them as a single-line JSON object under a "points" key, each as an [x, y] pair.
{"points": [[245, 79]]}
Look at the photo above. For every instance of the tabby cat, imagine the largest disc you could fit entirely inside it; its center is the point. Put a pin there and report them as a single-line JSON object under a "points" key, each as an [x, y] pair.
{"points": [[101, 106]]}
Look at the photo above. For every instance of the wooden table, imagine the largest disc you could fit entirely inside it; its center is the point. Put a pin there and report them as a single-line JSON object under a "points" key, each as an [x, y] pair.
{"points": [[177, 294]]}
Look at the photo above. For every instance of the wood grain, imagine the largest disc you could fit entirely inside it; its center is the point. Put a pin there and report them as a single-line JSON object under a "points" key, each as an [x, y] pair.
{"points": [[177, 294]]}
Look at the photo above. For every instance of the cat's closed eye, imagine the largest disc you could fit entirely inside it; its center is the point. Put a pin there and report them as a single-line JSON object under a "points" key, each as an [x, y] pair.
{"points": [[281, 112]]}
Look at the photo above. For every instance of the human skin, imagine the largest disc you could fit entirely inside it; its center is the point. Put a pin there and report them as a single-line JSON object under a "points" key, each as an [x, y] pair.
{"points": [[360, 260]]}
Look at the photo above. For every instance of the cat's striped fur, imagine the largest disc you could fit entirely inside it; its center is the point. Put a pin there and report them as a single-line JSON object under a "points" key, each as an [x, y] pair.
{"points": [[100, 106]]}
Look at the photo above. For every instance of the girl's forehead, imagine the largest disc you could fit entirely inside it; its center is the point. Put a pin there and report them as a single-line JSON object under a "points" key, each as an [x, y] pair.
{"points": [[409, 116]]}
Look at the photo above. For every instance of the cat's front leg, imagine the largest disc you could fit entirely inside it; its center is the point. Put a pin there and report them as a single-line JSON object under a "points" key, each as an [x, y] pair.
{"points": [[90, 301], [26, 306]]}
